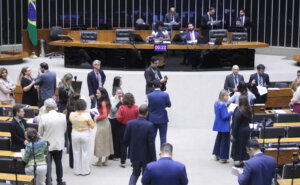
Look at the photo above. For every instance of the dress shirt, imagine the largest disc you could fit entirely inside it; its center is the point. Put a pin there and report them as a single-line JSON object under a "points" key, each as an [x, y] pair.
{"points": [[192, 35], [103, 112], [243, 20], [296, 97], [114, 109], [98, 77], [81, 121], [260, 80], [52, 128], [235, 80]]}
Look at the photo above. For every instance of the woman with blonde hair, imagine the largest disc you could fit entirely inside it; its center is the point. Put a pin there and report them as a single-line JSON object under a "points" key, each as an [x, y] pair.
{"points": [[222, 126], [30, 95], [6, 88], [65, 89]]}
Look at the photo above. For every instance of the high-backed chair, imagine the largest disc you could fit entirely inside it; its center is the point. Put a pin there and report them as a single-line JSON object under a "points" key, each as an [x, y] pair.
{"points": [[272, 132], [260, 117], [287, 172], [288, 118], [54, 32], [293, 132]]}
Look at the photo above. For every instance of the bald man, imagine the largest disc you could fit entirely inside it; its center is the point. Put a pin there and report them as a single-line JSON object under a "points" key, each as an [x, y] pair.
{"points": [[232, 80], [172, 16]]}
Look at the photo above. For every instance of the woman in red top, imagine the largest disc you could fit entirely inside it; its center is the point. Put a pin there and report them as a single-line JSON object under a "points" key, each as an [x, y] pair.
{"points": [[127, 111], [103, 139]]}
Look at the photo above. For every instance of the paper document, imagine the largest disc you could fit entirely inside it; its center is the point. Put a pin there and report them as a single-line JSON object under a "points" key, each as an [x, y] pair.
{"points": [[235, 171], [273, 89], [232, 107], [18, 154], [279, 111], [94, 110], [262, 90]]}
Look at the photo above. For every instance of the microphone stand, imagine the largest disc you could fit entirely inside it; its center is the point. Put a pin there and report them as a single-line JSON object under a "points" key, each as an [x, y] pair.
{"points": [[277, 159], [34, 164], [264, 126], [252, 117], [15, 160]]}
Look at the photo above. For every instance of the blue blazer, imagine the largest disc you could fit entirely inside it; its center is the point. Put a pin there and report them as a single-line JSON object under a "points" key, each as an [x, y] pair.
{"points": [[259, 170], [222, 118], [92, 82], [139, 136], [165, 171], [47, 83], [158, 101], [188, 35]]}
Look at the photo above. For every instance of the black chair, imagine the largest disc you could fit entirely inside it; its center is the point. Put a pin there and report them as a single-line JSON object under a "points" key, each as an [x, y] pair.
{"points": [[5, 143], [54, 32], [288, 118], [5, 111], [5, 126], [293, 132], [260, 117], [272, 132], [8, 165], [287, 172]]}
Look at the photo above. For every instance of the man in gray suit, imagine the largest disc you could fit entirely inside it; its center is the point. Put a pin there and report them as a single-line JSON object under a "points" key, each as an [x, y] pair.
{"points": [[172, 16], [233, 80], [47, 83]]}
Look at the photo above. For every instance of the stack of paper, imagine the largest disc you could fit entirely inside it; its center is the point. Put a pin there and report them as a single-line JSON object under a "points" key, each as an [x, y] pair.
{"points": [[232, 107], [262, 90]]}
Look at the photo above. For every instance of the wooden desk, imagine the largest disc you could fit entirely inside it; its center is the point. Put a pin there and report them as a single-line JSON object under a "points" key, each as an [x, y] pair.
{"points": [[109, 45], [6, 153], [12, 177], [288, 181], [279, 98], [285, 154], [30, 107], [283, 140], [297, 124], [5, 134]]}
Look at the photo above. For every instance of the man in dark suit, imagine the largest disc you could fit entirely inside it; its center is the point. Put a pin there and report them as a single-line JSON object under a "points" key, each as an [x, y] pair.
{"points": [[158, 101], [152, 73], [17, 129], [206, 23], [95, 80], [47, 83], [165, 171], [191, 34], [244, 21], [172, 16], [139, 136], [259, 79], [233, 80], [260, 169]]}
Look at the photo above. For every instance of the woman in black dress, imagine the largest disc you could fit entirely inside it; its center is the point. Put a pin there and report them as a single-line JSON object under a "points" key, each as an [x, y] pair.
{"points": [[30, 95], [65, 89], [71, 108], [240, 131]]}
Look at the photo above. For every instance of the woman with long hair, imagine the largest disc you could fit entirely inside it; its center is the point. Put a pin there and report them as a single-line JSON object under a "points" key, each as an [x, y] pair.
{"points": [[242, 90], [35, 152], [6, 88], [116, 84], [81, 125], [127, 111], [115, 125], [240, 131], [103, 140], [222, 126], [71, 108], [65, 89], [30, 95]]}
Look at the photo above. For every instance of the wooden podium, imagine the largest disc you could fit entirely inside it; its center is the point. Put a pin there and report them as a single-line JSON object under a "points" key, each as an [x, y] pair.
{"points": [[279, 97]]}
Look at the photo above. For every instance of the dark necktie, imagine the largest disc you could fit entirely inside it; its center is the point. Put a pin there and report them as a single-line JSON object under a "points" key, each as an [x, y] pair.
{"points": [[21, 125], [235, 80]]}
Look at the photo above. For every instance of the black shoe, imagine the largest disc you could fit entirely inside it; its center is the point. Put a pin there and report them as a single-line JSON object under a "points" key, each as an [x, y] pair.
{"points": [[61, 183]]}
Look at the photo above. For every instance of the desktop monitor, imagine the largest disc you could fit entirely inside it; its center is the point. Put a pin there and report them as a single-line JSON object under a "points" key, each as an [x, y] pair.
{"points": [[214, 34], [123, 35], [179, 38]]}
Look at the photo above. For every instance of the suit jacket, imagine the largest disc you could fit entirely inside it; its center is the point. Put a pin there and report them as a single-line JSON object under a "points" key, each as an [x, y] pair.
{"points": [[139, 136], [150, 77], [204, 27], [168, 18], [221, 123], [47, 83], [92, 82], [158, 101], [229, 82], [247, 22], [165, 171], [188, 35], [5, 92], [17, 135], [258, 170], [266, 79]]}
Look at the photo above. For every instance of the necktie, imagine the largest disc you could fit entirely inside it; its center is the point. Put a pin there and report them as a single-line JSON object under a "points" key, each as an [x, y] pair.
{"points": [[21, 125], [243, 21], [192, 36], [261, 80], [98, 78], [173, 18], [235, 81]]}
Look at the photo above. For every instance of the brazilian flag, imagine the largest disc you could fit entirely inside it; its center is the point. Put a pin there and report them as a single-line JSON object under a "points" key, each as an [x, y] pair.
{"points": [[31, 26]]}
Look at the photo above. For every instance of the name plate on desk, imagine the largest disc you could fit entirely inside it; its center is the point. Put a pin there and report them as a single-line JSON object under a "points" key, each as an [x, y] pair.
{"points": [[160, 47]]}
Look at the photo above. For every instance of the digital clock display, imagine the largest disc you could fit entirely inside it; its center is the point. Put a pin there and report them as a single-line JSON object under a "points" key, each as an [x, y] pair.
{"points": [[160, 47]]}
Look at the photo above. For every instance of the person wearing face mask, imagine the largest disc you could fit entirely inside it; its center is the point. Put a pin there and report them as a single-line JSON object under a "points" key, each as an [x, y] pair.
{"points": [[260, 169], [259, 79]]}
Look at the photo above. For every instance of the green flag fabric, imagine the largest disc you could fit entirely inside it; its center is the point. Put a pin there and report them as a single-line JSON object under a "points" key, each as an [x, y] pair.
{"points": [[31, 26]]}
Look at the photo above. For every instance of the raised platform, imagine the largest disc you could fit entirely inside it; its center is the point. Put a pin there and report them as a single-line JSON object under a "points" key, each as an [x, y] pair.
{"points": [[12, 57]]}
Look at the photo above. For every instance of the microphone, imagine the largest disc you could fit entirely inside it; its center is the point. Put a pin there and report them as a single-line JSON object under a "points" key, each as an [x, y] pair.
{"points": [[75, 78]]}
